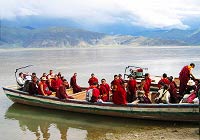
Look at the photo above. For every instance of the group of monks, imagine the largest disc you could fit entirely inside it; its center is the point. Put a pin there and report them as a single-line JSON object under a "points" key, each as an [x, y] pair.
{"points": [[119, 91]]}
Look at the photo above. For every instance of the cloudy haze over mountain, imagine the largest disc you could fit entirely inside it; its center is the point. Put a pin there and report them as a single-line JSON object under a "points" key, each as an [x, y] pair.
{"points": [[162, 14]]}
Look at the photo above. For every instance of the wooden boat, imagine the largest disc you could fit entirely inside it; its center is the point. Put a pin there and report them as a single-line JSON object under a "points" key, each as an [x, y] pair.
{"points": [[168, 112]]}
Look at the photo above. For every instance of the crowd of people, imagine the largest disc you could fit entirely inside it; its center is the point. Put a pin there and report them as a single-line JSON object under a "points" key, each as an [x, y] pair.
{"points": [[119, 91]]}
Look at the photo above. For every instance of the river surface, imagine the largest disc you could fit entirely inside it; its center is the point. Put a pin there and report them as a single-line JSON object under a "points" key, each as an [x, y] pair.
{"points": [[21, 122]]}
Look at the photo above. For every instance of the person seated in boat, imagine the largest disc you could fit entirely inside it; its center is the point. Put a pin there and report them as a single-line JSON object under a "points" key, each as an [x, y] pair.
{"points": [[92, 93], [56, 83], [20, 81], [104, 89], [164, 95], [184, 77], [131, 89], [61, 92], [50, 77], [141, 98], [74, 85], [116, 82], [164, 80], [27, 83], [43, 88], [174, 97], [93, 79], [33, 86], [147, 84], [119, 95]]}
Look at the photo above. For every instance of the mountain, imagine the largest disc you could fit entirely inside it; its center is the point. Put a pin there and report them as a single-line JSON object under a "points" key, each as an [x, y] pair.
{"points": [[29, 37]]}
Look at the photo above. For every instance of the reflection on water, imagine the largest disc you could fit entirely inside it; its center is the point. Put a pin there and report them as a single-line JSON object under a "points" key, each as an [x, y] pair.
{"points": [[52, 124]]}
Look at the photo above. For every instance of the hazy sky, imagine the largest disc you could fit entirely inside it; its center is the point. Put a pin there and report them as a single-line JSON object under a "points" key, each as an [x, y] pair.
{"points": [[146, 13]]}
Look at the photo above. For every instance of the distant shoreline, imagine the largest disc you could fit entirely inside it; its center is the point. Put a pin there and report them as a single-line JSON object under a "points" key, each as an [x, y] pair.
{"points": [[89, 47]]}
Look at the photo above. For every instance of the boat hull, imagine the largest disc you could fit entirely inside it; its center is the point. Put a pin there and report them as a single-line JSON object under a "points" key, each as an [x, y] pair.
{"points": [[172, 112]]}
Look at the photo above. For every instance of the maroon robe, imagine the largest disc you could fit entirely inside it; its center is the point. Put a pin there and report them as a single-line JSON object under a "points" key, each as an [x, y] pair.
{"points": [[184, 77], [162, 82], [131, 90], [173, 92], [74, 85], [93, 80], [119, 96], [104, 93]]}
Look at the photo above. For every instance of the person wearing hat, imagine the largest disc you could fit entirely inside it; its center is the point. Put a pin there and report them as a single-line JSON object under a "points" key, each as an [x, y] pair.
{"points": [[92, 80], [43, 88], [184, 77]]}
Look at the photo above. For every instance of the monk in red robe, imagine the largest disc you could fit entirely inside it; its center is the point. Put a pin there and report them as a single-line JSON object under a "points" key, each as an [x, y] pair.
{"points": [[61, 92], [74, 85], [131, 94], [174, 98], [104, 90], [119, 96], [164, 81], [93, 80], [184, 77], [147, 84], [43, 88], [55, 83], [95, 93]]}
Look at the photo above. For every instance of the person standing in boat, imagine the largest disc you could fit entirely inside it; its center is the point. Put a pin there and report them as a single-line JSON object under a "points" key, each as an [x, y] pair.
{"points": [[43, 88], [104, 89], [74, 85], [61, 92], [164, 80], [184, 77], [131, 89], [92, 80], [119, 96], [147, 84]]}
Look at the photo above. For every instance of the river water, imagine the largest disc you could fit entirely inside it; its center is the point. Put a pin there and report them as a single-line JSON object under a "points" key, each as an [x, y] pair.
{"points": [[21, 122]]}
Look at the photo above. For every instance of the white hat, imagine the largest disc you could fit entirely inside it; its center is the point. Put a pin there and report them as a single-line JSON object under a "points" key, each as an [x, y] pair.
{"points": [[190, 83], [43, 78], [28, 77]]}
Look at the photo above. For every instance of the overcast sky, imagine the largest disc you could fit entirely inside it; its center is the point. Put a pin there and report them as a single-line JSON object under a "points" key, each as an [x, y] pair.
{"points": [[146, 13]]}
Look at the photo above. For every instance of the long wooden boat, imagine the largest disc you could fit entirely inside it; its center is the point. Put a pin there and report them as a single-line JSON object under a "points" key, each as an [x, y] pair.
{"points": [[169, 112]]}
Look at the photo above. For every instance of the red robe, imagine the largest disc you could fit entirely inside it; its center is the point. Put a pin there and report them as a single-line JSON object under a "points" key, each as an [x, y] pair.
{"points": [[95, 93], [55, 84], [184, 77], [173, 92], [119, 96], [74, 85], [163, 81], [45, 89], [104, 92], [131, 90], [92, 80]]}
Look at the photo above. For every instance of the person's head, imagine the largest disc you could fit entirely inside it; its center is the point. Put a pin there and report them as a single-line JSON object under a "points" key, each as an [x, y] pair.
{"points": [[44, 75], [21, 74], [33, 74], [103, 81], [116, 77], [50, 71], [34, 79], [92, 75], [62, 78], [120, 76], [170, 78], [75, 74], [55, 76], [65, 83], [142, 82], [196, 82], [164, 75], [146, 75], [130, 77], [192, 65], [95, 84]]}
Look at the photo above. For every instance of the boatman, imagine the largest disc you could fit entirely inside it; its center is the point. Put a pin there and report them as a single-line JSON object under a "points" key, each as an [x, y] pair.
{"points": [[184, 77]]}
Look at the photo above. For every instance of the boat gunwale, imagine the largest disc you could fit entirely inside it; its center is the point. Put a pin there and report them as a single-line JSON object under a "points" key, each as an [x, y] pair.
{"points": [[75, 101]]}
